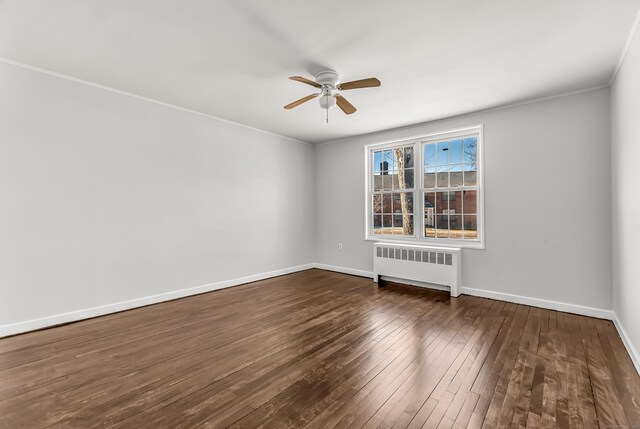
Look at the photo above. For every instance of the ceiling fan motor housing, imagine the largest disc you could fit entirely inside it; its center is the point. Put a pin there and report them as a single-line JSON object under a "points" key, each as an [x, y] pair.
{"points": [[328, 78]]}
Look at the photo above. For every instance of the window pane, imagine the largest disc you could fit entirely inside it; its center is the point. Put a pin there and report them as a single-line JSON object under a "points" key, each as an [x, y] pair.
{"points": [[443, 177], [455, 226], [377, 182], [403, 202], [455, 202], [455, 177], [471, 227], [386, 203], [442, 226], [387, 222], [386, 182], [429, 228], [470, 175], [429, 154], [397, 223], [405, 179], [442, 156], [387, 162], [377, 162], [396, 201], [430, 214], [408, 157], [471, 151], [377, 224], [398, 158], [408, 225], [430, 177], [429, 200], [377, 203], [409, 199], [470, 202], [455, 151], [442, 202]]}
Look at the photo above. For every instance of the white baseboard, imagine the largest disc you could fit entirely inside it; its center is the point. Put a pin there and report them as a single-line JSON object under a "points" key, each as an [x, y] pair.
{"points": [[542, 303], [73, 316], [633, 353], [518, 299], [344, 270]]}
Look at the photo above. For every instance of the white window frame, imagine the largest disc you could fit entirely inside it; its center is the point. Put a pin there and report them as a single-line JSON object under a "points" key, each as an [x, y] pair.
{"points": [[418, 200]]}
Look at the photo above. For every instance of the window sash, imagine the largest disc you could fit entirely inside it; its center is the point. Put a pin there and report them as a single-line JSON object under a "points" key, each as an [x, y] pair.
{"points": [[438, 165], [373, 190]]}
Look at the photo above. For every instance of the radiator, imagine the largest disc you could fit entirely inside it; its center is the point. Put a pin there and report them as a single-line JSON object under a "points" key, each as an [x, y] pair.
{"points": [[436, 265]]}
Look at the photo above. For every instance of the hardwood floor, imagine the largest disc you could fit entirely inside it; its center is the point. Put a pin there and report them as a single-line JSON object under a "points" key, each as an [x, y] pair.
{"points": [[318, 349]]}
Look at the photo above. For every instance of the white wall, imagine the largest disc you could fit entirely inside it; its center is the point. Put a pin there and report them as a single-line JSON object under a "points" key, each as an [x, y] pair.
{"points": [[625, 165], [106, 198], [547, 198]]}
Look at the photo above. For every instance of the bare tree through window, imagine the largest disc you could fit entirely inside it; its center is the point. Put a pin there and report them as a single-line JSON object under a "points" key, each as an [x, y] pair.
{"points": [[407, 212]]}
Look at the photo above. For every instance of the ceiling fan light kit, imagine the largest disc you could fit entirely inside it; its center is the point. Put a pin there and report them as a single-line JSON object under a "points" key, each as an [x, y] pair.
{"points": [[327, 101], [328, 81]]}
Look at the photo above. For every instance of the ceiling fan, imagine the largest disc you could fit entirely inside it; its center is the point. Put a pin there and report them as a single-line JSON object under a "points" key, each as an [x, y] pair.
{"points": [[328, 82]]}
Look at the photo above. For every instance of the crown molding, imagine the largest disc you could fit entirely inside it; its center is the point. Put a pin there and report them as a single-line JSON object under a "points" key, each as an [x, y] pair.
{"points": [[627, 45], [140, 97]]}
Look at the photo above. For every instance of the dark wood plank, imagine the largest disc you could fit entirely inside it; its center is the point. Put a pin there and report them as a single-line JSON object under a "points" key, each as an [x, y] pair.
{"points": [[317, 349]]}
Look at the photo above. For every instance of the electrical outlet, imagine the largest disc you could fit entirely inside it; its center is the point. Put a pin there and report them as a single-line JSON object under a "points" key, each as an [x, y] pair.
{"points": [[340, 247]]}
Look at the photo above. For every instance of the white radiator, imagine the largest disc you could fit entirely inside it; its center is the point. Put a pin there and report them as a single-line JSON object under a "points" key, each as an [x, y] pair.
{"points": [[437, 265]]}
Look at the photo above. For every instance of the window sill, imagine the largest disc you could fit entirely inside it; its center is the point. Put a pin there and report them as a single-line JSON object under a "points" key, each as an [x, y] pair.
{"points": [[476, 245]]}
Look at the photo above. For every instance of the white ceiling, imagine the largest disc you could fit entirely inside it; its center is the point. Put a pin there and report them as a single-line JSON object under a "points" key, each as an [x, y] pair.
{"points": [[231, 58]]}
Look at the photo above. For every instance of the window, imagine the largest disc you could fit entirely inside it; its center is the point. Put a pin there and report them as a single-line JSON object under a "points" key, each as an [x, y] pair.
{"points": [[427, 189]]}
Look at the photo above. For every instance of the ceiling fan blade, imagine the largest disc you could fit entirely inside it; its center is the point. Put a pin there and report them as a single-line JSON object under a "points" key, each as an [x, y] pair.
{"points": [[299, 102], [305, 80], [362, 83], [345, 105]]}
